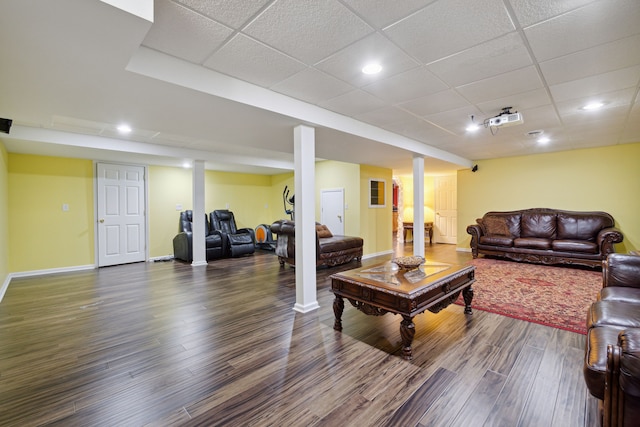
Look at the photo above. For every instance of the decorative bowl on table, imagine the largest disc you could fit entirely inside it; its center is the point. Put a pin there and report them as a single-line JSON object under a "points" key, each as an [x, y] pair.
{"points": [[408, 262]]}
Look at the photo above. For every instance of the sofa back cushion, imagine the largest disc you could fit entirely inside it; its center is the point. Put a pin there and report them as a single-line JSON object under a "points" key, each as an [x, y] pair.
{"points": [[323, 231], [502, 224], [582, 225], [539, 224]]}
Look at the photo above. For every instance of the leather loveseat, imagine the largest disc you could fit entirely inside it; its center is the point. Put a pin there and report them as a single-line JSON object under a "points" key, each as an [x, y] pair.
{"points": [[183, 241], [612, 352], [547, 236], [330, 250]]}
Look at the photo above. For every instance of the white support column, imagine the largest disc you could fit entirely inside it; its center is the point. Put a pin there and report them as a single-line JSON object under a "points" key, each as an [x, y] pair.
{"points": [[199, 248], [418, 206], [304, 149]]}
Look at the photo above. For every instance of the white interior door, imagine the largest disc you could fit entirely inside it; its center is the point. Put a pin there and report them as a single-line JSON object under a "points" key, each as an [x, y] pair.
{"points": [[446, 204], [121, 214], [332, 210]]}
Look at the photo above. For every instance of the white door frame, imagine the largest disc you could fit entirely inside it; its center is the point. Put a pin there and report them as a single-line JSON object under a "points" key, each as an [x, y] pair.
{"points": [[96, 241]]}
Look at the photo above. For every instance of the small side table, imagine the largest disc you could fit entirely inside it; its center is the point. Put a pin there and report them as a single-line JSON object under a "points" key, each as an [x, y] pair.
{"points": [[428, 228]]}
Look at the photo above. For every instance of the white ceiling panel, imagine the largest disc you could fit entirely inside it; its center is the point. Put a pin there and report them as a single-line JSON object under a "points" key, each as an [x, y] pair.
{"points": [[183, 33], [308, 30], [507, 84], [347, 63], [253, 62], [233, 13], [594, 86], [529, 12], [435, 103], [385, 12], [497, 56], [406, 86], [442, 28], [594, 24], [353, 103], [312, 85]]}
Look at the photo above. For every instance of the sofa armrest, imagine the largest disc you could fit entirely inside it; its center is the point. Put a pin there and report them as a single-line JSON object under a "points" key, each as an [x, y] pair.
{"points": [[250, 231], [621, 270], [607, 237], [183, 246], [621, 406], [476, 231]]}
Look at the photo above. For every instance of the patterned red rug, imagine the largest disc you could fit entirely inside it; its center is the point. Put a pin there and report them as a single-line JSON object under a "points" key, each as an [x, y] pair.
{"points": [[553, 296]]}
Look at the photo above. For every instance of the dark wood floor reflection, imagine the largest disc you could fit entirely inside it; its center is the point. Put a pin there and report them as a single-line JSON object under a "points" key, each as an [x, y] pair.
{"points": [[165, 343]]}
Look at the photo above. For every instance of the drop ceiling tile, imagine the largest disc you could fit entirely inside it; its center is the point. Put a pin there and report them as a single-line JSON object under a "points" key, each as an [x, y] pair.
{"points": [[594, 24], [435, 103], [529, 12], [406, 86], [446, 27], [353, 103], [308, 30], [507, 84], [385, 12], [595, 85], [456, 120], [521, 102], [347, 64], [384, 116], [249, 60], [183, 33], [607, 57], [233, 13], [497, 56], [312, 86], [613, 100], [420, 130]]}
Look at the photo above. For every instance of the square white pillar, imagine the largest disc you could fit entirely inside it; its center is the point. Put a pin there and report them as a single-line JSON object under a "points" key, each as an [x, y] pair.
{"points": [[304, 149], [418, 206], [198, 226]]}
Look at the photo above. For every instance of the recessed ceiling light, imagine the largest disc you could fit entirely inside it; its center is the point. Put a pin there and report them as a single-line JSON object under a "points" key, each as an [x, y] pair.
{"points": [[593, 106], [372, 68], [124, 128], [543, 140], [472, 127]]}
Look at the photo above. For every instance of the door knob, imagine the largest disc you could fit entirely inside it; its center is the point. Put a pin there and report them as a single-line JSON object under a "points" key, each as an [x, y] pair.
{"points": [[340, 218], [101, 221]]}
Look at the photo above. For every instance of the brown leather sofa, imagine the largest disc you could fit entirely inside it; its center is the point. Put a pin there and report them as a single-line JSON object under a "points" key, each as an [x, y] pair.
{"points": [[612, 352], [330, 250], [547, 236]]}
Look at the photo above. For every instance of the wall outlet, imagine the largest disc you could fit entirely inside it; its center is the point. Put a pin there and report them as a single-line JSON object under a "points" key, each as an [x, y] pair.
{"points": [[65, 207], [178, 207], [227, 206]]}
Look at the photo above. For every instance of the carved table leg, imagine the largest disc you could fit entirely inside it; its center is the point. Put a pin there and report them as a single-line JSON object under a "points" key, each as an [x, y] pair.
{"points": [[467, 294], [338, 308], [407, 331]]}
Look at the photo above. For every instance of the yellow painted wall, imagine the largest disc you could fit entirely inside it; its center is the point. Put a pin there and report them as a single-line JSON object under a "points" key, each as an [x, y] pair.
{"points": [[168, 187], [41, 235], [4, 214], [333, 175], [599, 179], [407, 198], [376, 223]]}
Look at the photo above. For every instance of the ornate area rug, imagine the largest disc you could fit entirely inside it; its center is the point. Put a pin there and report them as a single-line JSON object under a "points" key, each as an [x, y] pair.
{"points": [[552, 296]]}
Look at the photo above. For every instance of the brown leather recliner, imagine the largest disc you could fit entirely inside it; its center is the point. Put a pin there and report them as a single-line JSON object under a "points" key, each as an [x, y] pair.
{"points": [[612, 354]]}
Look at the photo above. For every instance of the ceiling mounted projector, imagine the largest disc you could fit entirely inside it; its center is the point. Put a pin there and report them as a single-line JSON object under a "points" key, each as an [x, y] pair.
{"points": [[506, 118]]}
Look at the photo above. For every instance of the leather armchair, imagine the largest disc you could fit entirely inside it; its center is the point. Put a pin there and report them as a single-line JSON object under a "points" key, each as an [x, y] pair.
{"points": [[183, 241], [238, 242]]}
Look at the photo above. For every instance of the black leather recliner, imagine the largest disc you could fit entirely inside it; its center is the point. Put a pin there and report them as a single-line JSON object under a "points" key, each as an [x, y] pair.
{"points": [[183, 242], [238, 242]]}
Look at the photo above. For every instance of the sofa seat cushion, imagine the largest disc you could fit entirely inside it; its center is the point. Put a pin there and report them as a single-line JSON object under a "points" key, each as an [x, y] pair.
{"points": [[213, 241], [240, 239], [532, 243], [339, 243], [613, 313], [496, 241], [575, 246], [595, 359], [618, 293]]}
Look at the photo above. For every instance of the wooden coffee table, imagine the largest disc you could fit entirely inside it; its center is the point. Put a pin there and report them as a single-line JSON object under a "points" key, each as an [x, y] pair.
{"points": [[380, 289]]}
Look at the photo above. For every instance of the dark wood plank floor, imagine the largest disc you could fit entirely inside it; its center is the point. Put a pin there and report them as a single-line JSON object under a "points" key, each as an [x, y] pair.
{"points": [[168, 344]]}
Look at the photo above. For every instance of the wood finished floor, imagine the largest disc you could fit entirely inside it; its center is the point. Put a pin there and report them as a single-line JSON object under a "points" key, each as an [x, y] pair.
{"points": [[166, 344]]}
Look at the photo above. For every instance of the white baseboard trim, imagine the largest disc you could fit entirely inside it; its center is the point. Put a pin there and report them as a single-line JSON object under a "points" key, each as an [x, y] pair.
{"points": [[463, 249], [33, 273], [300, 308], [161, 258], [377, 254]]}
